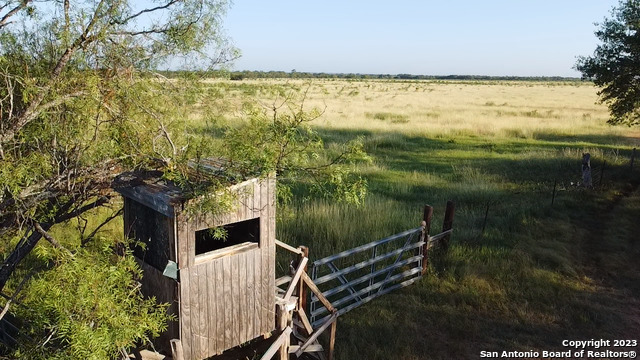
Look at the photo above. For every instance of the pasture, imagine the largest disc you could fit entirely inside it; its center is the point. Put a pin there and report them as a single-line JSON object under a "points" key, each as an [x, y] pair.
{"points": [[538, 274]]}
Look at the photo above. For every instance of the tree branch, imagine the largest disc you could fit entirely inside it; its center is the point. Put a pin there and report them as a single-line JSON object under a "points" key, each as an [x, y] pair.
{"points": [[31, 111], [49, 238], [86, 240], [5, 18], [149, 10]]}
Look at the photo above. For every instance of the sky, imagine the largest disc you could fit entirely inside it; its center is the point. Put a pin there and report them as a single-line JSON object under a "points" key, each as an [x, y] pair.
{"points": [[428, 37]]}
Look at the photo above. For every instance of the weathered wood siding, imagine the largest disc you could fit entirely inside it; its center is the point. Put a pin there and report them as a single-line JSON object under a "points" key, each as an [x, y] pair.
{"points": [[229, 300], [157, 231], [166, 291]]}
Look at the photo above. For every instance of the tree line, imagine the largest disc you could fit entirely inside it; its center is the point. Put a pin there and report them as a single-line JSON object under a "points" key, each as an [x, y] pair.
{"points": [[254, 74]]}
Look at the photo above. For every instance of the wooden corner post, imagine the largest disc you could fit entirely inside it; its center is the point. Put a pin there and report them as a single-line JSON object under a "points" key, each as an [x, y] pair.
{"points": [[427, 215], [332, 339], [447, 224]]}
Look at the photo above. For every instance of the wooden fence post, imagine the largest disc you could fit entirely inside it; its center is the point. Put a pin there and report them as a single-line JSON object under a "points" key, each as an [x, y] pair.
{"points": [[332, 339], [553, 194], [586, 170], [426, 217], [602, 173], [447, 224], [282, 322], [633, 156]]}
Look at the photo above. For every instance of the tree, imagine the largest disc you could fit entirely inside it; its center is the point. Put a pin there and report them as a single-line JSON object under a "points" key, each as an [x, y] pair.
{"points": [[615, 64], [81, 101]]}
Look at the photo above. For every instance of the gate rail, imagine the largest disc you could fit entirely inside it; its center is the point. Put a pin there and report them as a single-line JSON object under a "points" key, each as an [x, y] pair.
{"points": [[356, 276], [390, 266]]}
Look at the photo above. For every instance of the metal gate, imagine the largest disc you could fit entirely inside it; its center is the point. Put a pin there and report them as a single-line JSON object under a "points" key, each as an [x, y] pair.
{"points": [[354, 277]]}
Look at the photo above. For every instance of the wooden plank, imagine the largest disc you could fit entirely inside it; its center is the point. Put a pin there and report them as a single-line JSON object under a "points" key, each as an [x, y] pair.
{"points": [[251, 296], [305, 321], [303, 291], [327, 304], [242, 297], [185, 313], [183, 252], [220, 309], [191, 243], [271, 243], [283, 316], [296, 278], [315, 335], [239, 207], [203, 316], [235, 296], [228, 303], [332, 339], [283, 280], [257, 288], [164, 289], [288, 247], [273, 349], [211, 309], [255, 206], [310, 348], [226, 251], [272, 216], [366, 246], [267, 319], [194, 299]]}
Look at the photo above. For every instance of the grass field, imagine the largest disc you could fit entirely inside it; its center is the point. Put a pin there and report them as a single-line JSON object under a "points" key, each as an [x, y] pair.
{"points": [[538, 274]]}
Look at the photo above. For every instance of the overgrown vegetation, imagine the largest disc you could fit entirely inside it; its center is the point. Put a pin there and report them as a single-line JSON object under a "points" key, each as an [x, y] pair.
{"points": [[614, 65], [537, 273], [80, 102]]}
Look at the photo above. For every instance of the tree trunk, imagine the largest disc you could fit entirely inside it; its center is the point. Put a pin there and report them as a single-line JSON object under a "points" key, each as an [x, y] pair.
{"points": [[23, 248]]}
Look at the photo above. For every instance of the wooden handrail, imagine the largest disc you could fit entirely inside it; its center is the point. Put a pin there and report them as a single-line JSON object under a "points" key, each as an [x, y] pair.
{"points": [[288, 247]]}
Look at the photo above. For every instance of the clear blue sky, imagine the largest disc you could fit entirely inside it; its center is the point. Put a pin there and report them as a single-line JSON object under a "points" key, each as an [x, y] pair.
{"points": [[429, 37]]}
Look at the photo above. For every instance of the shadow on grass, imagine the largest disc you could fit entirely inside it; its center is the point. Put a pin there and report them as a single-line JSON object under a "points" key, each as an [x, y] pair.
{"points": [[512, 159], [526, 283]]}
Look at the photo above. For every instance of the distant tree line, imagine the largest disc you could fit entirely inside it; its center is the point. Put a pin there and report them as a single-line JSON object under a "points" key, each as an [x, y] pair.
{"points": [[246, 74]]}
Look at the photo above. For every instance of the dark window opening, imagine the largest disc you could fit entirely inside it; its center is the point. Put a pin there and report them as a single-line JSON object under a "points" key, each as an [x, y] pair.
{"points": [[236, 233]]}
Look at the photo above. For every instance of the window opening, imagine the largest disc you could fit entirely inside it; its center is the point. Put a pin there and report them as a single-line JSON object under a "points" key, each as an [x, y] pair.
{"points": [[236, 233]]}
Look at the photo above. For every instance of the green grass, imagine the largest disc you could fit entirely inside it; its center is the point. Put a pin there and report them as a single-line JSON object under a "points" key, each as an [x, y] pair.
{"points": [[538, 273], [521, 285], [384, 116]]}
